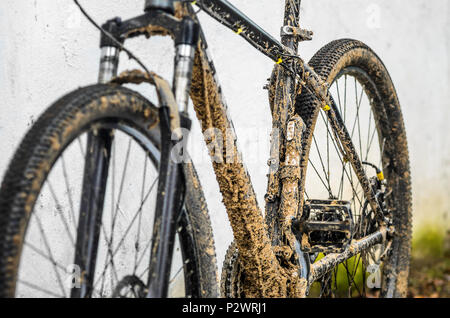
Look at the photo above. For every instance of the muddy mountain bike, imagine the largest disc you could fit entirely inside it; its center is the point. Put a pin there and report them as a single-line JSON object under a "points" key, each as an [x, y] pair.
{"points": [[100, 201]]}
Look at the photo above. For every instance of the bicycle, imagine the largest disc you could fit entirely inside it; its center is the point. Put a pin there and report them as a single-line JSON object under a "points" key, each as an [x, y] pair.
{"points": [[310, 241]]}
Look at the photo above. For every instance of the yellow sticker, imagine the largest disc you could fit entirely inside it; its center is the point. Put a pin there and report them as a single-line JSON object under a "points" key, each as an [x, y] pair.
{"points": [[326, 108], [239, 31], [279, 60], [380, 176], [194, 2]]}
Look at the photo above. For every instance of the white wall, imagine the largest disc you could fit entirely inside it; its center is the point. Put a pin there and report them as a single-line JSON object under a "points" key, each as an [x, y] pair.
{"points": [[48, 49]]}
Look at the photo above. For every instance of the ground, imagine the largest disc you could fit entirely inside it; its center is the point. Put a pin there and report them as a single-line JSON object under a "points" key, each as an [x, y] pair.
{"points": [[430, 264]]}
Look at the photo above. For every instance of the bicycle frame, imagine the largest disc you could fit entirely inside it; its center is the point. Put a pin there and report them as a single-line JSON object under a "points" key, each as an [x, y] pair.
{"points": [[257, 243]]}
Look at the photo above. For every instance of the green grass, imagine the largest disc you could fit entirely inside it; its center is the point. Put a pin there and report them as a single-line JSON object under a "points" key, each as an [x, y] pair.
{"points": [[428, 241], [343, 280], [430, 262]]}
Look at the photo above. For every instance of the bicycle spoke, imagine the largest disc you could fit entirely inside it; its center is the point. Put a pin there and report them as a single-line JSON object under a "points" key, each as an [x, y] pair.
{"points": [[306, 194], [140, 216], [144, 272], [49, 253], [67, 183], [339, 96], [358, 106], [324, 284], [369, 139], [42, 254], [328, 156], [382, 153], [357, 115], [125, 166], [350, 178], [176, 274], [345, 99], [318, 174], [130, 225], [38, 288], [60, 213], [343, 181], [144, 251], [134, 218], [111, 258], [81, 147], [114, 210], [109, 242], [351, 279], [323, 165]]}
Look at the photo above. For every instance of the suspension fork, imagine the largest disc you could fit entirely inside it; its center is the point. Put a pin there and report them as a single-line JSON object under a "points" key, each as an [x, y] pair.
{"points": [[94, 181], [171, 181]]}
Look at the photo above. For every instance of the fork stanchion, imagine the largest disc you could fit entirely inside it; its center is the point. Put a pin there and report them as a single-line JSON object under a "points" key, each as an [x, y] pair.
{"points": [[185, 46]]}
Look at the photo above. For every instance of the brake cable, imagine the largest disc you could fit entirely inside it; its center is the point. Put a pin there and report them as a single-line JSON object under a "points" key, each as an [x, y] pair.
{"points": [[112, 38]]}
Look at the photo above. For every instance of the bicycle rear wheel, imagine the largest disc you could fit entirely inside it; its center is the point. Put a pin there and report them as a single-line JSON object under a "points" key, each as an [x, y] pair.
{"points": [[96, 147], [365, 97]]}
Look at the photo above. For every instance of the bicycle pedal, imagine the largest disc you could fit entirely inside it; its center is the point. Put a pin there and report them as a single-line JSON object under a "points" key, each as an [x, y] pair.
{"points": [[326, 226]]}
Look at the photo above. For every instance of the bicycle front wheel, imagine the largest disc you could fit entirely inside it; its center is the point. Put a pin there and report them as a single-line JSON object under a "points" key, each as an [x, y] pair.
{"points": [[77, 205]]}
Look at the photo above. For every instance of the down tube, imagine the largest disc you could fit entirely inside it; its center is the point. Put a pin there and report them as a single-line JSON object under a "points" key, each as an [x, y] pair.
{"points": [[246, 219]]}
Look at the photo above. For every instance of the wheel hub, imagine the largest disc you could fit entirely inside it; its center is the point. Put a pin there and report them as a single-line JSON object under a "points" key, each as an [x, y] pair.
{"points": [[130, 287]]}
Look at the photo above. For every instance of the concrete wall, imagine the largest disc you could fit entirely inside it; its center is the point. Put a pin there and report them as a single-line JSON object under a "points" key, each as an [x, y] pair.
{"points": [[47, 49]]}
